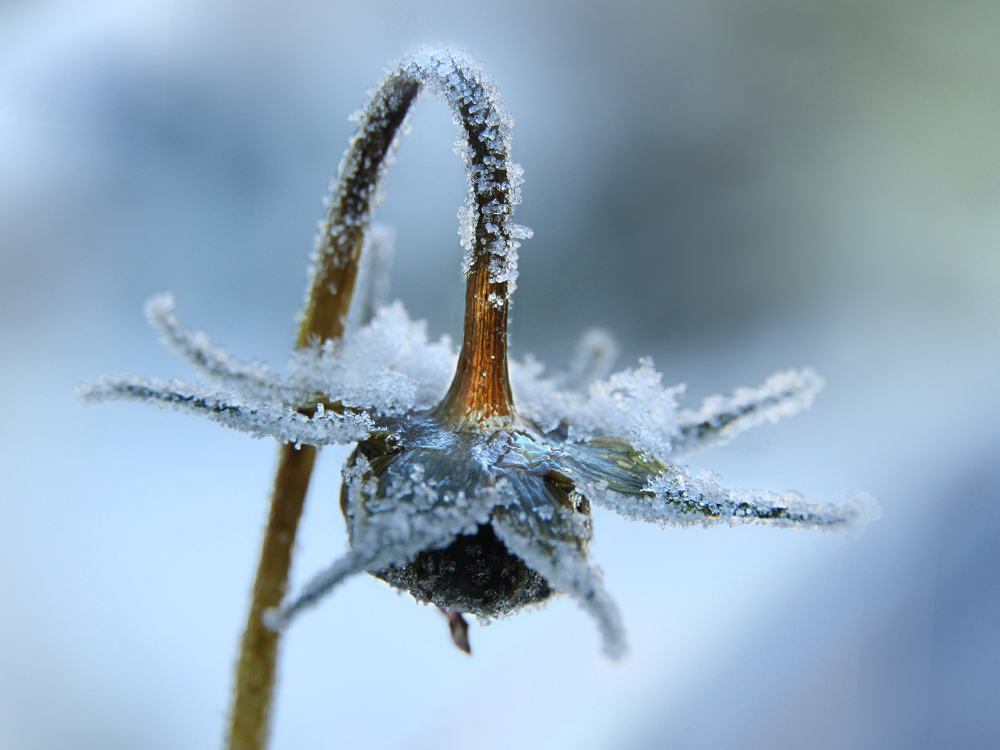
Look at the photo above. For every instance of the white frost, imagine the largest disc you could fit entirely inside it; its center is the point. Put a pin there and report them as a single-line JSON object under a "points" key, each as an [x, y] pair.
{"points": [[631, 404], [388, 365], [679, 499], [233, 410], [634, 404], [385, 368], [721, 418], [486, 222], [214, 362], [567, 570]]}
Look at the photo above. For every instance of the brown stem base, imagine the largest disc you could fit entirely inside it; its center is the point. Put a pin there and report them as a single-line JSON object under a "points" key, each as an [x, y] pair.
{"points": [[480, 392], [255, 672]]}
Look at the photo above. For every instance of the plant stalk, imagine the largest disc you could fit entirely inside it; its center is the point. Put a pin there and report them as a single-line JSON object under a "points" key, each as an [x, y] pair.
{"points": [[324, 317], [257, 665], [480, 391]]}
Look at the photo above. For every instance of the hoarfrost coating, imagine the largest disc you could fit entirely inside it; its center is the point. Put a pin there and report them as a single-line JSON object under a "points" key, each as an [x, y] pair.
{"points": [[479, 511], [383, 376], [486, 220]]}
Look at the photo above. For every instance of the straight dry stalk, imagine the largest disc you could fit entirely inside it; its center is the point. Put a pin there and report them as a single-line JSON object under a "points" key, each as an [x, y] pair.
{"points": [[480, 390], [255, 672]]}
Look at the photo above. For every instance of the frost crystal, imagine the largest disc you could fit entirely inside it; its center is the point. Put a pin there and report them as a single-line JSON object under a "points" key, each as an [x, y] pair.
{"points": [[387, 365], [477, 510], [234, 410], [212, 361], [486, 223]]}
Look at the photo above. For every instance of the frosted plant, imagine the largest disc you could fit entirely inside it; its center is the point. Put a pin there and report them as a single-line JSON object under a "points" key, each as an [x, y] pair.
{"points": [[452, 493]]}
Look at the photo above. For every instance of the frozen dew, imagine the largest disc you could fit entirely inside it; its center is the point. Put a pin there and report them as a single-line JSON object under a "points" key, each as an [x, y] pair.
{"points": [[321, 584], [212, 361], [565, 566], [674, 497], [635, 405], [482, 516], [720, 418], [236, 411], [486, 222], [611, 437], [388, 365], [632, 404]]}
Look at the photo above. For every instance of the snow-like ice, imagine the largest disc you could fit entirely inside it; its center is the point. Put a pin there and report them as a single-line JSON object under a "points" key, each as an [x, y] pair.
{"points": [[416, 486]]}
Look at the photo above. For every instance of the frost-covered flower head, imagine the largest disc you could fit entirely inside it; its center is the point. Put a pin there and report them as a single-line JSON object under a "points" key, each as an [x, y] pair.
{"points": [[472, 481]]}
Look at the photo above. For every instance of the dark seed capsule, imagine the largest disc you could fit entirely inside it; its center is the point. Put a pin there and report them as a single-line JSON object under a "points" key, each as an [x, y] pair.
{"points": [[475, 573]]}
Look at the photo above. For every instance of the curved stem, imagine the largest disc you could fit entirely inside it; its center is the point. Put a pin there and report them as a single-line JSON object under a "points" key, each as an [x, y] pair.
{"points": [[338, 251], [480, 390]]}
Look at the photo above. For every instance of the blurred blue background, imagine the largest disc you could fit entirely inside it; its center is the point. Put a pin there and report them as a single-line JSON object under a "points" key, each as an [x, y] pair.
{"points": [[732, 187]]}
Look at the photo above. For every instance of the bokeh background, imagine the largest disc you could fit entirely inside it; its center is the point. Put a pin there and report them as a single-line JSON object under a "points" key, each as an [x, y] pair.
{"points": [[732, 186]]}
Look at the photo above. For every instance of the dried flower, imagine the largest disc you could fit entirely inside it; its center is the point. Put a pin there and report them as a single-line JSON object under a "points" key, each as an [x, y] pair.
{"points": [[452, 493]]}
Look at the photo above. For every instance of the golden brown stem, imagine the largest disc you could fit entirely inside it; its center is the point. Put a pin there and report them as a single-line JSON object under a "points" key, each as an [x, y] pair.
{"points": [[332, 288], [256, 668], [255, 671], [339, 251], [480, 390]]}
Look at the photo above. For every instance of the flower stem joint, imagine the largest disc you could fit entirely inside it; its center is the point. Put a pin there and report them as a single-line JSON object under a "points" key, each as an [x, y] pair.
{"points": [[452, 493]]}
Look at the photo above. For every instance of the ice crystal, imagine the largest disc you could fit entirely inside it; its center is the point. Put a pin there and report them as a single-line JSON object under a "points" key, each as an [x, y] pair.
{"points": [[475, 511]]}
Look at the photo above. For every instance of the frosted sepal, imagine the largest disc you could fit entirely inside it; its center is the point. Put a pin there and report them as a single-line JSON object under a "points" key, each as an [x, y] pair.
{"points": [[321, 585], [562, 561], [213, 361], [676, 498], [721, 418], [238, 412]]}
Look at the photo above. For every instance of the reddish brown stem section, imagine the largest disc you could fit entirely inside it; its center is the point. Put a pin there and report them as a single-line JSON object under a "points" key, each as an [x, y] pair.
{"points": [[480, 390], [323, 318]]}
